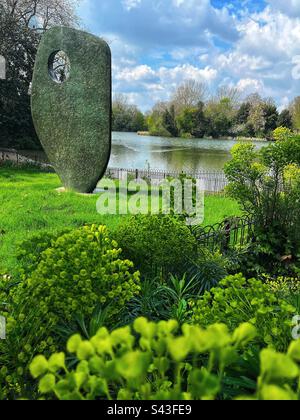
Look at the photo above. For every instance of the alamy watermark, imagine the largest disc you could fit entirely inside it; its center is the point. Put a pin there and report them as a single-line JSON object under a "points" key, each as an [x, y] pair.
{"points": [[296, 329], [2, 67], [152, 196], [2, 328]]}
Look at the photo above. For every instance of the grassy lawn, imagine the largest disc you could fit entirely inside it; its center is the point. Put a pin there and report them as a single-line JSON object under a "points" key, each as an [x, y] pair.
{"points": [[29, 203]]}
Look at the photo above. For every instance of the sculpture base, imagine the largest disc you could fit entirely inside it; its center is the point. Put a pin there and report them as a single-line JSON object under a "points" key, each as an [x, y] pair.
{"points": [[64, 190]]}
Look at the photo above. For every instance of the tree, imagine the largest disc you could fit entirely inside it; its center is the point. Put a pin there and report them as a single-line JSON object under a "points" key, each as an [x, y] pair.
{"points": [[256, 119], [169, 121], [188, 95], [42, 14], [19, 50], [271, 117], [228, 92], [126, 117], [220, 116], [285, 119], [254, 99], [192, 121], [138, 121], [155, 120], [295, 111], [243, 113]]}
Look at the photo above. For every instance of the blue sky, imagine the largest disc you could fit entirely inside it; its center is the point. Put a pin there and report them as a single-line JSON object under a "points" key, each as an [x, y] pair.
{"points": [[253, 45]]}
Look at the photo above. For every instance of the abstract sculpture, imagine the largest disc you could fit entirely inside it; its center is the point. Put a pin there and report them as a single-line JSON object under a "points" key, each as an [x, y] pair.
{"points": [[71, 105]]}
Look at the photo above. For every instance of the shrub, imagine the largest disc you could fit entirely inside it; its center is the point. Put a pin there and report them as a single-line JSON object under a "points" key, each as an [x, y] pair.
{"points": [[81, 271], [266, 183], [164, 364], [237, 300], [156, 243], [30, 251], [282, 133]]}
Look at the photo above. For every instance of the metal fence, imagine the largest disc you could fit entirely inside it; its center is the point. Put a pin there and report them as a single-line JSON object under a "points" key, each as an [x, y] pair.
{"points": [[232, 233], [213, 181], [19, 159]]}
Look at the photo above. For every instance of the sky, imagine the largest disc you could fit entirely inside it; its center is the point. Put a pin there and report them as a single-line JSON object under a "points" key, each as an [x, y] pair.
{"points": [[253, 45]]}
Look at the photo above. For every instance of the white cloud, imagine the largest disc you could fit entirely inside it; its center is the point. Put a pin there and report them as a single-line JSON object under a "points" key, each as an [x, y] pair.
{"points": [[133, 74], [270, 34], [131, 4], [185, 72], [247, 86]]}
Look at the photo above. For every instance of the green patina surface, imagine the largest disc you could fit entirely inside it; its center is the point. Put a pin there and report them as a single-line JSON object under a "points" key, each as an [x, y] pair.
{"points": [[73, 119]]}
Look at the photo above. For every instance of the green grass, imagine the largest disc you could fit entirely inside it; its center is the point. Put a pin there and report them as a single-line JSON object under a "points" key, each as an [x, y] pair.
{"points": [[30, 204]]}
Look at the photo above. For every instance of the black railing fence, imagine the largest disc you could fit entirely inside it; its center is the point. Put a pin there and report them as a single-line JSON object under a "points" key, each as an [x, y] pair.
{"points": [[232, 233]]}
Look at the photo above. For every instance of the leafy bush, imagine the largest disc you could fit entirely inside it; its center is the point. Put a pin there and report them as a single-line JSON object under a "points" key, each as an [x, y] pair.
{"points": [[80, 272], [266, 183], [237, 300], [163, 364], [156, 243], [282, 133]]}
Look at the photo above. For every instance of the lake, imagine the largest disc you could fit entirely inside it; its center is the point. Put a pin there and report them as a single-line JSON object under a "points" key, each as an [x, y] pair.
{"points": [[131, 151]]}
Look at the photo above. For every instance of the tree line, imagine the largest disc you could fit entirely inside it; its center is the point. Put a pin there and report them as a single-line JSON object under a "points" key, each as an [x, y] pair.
{"points": [[191, 113]]}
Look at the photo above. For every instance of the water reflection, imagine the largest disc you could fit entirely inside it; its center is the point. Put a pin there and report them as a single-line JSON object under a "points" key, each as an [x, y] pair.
{"points": [[132, 151]]}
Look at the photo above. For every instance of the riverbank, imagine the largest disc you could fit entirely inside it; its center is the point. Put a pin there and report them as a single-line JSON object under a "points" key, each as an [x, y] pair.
{"points": [[243, 139]]}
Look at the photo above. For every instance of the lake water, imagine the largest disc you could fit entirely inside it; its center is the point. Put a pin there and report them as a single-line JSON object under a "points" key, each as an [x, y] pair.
{"points": [[131, 151]]}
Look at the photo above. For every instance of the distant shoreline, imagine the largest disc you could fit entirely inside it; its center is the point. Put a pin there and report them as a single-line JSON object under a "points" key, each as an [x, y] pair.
{"points": [[242, 139]]}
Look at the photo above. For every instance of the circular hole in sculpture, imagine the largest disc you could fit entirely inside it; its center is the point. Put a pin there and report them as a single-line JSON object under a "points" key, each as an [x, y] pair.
{"points": [[59, 67]]}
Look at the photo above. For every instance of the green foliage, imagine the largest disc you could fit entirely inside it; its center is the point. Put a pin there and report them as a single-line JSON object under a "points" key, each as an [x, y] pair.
{"points": [[126, 117], [237, 300], [176, 294], [30, 251], [169, 121], [156, 243], [282, 133], [266, 183], [208, 269], [156, 126], [161, 363], [79, 273], [220, 117], [19, 49], [285, 119], [192, 121], [157, 361]]}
